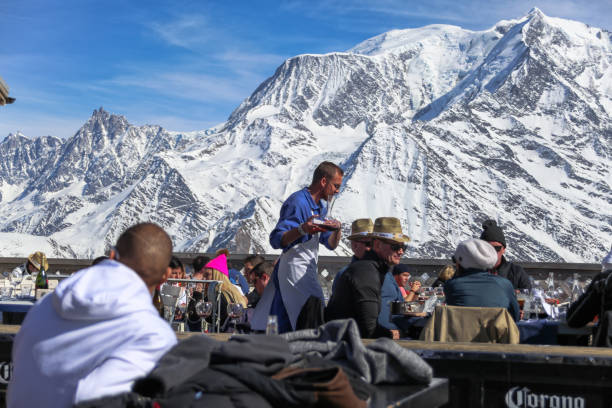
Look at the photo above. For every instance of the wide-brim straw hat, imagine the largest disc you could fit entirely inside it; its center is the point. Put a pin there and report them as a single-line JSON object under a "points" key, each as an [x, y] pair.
{"points": [[389, 229], [39, 259], [361, 229]]}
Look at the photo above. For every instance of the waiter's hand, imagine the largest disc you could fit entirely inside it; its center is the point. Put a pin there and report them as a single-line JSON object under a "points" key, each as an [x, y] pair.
{"points": [[334, 223], [310, 228]]}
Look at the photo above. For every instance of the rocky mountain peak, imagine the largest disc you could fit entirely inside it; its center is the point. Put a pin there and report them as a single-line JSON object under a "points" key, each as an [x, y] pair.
{"points": [[439, 126]]}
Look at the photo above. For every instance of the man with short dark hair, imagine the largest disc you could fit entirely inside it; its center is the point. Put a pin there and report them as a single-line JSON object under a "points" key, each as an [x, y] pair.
{"points": [[358, 293], [98, 331], [250, 263], [261, 276], [294, 294], [494, 235]]}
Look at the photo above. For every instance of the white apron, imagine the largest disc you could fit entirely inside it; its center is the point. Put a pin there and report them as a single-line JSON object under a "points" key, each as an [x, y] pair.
{"points": [[297, 278]]}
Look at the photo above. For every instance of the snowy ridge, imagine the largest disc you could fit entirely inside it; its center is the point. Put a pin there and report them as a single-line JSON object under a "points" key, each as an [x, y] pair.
{"points": [[440, 126]]}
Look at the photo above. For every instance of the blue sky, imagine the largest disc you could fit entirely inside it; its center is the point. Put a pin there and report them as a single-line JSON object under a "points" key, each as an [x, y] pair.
{"points": [[185, 65]]}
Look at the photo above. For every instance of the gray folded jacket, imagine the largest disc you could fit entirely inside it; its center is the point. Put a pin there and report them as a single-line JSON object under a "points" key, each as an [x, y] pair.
{"points": [[383, 361]]}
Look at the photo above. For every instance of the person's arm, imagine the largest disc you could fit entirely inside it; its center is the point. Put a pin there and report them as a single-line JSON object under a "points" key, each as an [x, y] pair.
{"points": [[523, 278], [308, 228], [116, 374], [334, 238], [586, 307], [414, 290]]}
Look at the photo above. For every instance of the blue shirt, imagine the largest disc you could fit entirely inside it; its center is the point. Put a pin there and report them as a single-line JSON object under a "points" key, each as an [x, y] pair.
{"points": [[389, 292], [481, 289], [238, 279], [295, 211]]}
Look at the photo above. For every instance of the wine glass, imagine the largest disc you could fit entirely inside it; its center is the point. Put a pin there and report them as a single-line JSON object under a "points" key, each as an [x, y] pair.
{"points": [[16, 277], [235, 311], [522, 297], [204, 309]]}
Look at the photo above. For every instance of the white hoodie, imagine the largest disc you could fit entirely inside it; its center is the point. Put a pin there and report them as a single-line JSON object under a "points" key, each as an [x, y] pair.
{"points": [[92, 337]]}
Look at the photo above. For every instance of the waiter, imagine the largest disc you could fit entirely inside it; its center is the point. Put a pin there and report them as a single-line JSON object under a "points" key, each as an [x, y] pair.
{"points": [[294, 294]]}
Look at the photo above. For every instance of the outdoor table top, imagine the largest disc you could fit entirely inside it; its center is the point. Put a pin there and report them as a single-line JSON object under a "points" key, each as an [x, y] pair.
{"points": [[17, 305]]}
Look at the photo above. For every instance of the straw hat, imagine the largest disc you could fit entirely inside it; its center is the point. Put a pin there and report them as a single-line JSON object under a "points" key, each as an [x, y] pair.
{"points": [[361, 229], [389, 229], [37, 259]]}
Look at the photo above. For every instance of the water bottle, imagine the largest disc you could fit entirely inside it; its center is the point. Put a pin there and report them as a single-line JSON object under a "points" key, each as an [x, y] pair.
{"points": [[272, 326]]}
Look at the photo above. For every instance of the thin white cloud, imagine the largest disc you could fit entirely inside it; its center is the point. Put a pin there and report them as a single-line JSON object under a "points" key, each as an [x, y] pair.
{"points": [[187, 31], [185, 85]]}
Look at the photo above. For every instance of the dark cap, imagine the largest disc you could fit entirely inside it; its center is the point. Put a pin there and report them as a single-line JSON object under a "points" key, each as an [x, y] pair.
{"points": [[491, 232], [400, 268]]}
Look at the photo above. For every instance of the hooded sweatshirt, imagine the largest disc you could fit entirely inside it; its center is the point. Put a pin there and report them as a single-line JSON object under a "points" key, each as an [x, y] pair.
{"points": [[92, 337]]}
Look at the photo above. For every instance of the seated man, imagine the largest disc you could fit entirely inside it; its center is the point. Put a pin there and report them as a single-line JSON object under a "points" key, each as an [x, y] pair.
{"points": [[261, 276], [358, 293], [473, 285], [401, 275], [250, 262], [360, 244], [494, 235], [98, 331], [597, 300], [33, 265], [35, 262]]}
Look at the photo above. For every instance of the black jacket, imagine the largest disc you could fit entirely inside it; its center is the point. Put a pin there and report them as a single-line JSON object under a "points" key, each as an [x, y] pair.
{"points": [[358, 296], [514, 273], [597, 300]]}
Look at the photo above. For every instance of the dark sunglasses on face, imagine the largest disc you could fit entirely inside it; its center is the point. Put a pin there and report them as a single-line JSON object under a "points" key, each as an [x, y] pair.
{"points": [[498, 247], [397, 247]]}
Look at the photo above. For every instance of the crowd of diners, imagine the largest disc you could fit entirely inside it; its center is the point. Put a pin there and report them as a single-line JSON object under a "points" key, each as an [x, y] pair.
{"points": [[98, 330]]}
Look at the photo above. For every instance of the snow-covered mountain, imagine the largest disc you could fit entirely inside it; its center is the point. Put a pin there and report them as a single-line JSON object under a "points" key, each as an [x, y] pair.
{"points": [[439, 126]]}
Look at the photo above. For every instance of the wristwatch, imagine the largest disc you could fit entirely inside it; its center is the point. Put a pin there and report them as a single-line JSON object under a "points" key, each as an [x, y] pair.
{"points": [[301, 230]]}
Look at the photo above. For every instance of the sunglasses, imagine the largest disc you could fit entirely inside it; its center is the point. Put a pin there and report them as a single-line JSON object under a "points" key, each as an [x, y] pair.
{"points": [[397, 247], [498, 247]]}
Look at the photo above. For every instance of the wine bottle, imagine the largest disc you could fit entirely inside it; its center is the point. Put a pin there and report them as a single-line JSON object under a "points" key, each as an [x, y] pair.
{"points": [[42, 282], [157, 302]]}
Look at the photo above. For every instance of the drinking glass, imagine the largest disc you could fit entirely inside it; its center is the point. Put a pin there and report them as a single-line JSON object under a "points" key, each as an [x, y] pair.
{"points": [[6, 292], [234, 311], [522, 297], [16, 278], [204, 309], [26, 289]]}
